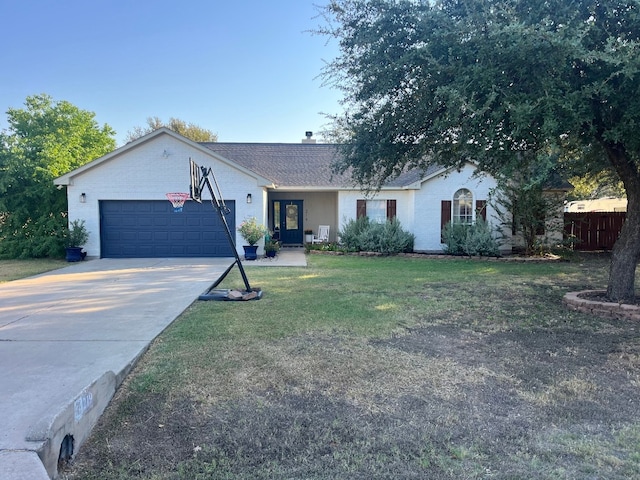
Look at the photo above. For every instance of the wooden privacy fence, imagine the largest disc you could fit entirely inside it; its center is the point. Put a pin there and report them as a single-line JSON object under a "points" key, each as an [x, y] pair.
{"points": [[593, 230]]}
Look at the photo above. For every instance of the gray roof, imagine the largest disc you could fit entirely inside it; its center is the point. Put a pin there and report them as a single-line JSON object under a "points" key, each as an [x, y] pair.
{"points": [[286, 164], [299, 164]]}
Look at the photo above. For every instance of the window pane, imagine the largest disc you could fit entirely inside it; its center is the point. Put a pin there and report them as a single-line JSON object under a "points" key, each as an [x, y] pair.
{"points": [[463, 206], [292, 217], [377, 210], [276, 215]]}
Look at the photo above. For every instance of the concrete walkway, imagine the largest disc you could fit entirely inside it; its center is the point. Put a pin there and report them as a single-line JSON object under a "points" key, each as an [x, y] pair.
{"points": [[69, 337]]}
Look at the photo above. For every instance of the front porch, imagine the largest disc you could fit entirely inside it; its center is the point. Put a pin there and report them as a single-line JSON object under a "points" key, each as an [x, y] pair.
{"points": [[291, 213]]}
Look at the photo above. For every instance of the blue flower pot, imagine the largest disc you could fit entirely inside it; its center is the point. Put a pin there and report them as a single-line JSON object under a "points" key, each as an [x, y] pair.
{"points": [[250, 252], [75, 254]]}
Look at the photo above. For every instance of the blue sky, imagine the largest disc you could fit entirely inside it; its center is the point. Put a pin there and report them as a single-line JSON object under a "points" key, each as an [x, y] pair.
{"points": [[245, 69]]}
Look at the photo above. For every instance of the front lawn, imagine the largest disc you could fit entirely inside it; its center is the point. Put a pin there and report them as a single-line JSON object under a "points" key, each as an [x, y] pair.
{"points": [[383, 368], [15, 269]]}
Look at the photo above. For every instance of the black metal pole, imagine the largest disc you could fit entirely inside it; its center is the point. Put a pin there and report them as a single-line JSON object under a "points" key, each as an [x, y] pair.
{"points": [[228, 232]]}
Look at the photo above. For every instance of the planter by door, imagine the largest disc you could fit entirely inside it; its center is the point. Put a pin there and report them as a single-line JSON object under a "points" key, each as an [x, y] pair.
{"points": [[75, 254], [250, 252]]}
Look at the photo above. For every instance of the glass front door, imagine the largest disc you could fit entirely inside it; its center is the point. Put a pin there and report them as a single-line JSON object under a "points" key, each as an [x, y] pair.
{"points": [[287, 221]]}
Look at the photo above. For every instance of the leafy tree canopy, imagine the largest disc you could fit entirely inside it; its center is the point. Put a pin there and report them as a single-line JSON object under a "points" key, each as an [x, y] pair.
{"points": [[189, 130], [45, 139], [592, 186], [508, 84]]}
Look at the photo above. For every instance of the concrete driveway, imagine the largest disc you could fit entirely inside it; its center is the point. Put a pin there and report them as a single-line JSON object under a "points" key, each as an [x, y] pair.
{"points": [[67, 340]]}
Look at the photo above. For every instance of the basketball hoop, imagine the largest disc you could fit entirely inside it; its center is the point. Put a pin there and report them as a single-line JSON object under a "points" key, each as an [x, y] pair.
{"points": [[177, 200]]}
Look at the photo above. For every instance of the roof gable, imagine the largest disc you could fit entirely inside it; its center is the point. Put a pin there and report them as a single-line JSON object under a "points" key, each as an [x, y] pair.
{"points": [[66, 179]]}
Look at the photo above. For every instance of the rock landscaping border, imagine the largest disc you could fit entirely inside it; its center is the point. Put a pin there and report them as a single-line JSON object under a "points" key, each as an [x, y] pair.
{"points": [[506, 258], [577, 301]]}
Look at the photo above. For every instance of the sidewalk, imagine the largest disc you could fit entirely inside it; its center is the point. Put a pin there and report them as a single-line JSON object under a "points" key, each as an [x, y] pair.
{"points": [[69, 337]]}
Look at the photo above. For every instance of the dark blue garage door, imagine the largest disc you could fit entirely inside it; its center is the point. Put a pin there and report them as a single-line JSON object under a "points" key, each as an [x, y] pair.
{"points": [[150, 228]]}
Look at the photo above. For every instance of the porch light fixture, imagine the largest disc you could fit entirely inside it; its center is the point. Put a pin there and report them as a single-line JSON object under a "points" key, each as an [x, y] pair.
{"points": [[249, 199], [83, 198]]}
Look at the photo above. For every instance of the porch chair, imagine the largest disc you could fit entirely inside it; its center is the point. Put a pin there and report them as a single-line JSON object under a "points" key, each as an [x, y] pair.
{"points": [[323, 235]]}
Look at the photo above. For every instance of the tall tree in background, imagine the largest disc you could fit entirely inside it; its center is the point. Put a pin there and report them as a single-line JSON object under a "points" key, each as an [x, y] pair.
{"points": [[597, 185], [44, 140], [189, 130], [508, 84]]}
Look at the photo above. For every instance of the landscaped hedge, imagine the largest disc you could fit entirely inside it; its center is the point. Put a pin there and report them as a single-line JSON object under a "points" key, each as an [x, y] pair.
{"points": [[476, 239], [363, 235]]}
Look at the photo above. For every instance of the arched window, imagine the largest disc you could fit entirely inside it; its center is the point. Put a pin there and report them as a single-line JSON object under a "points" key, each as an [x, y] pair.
{"points": [[462, 207]]}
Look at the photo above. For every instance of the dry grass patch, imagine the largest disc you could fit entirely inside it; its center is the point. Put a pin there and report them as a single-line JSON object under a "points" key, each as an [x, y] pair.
{"points": [[15, 269]]}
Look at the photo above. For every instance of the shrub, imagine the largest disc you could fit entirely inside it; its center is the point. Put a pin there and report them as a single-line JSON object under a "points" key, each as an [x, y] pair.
{"points": [[454, 236], [481, 241], [77, 234], [350, 235], [362, 235], [252, 231], [476, 239]]}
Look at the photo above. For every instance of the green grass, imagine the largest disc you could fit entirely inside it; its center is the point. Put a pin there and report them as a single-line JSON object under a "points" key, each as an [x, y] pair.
{"points": [[385, 367], [16, 269]]}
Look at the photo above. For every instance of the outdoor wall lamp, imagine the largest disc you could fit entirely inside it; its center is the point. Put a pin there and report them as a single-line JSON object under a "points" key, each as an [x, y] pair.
{"points": [[249, 199], [83, 198]]}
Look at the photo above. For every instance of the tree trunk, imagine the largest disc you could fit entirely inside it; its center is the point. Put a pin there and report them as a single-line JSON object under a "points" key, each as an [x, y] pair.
{"points": [[626, 251], [624, 258]]}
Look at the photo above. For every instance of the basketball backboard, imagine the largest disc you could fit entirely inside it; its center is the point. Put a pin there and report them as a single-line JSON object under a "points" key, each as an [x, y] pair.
{"points": [[195, 187]]}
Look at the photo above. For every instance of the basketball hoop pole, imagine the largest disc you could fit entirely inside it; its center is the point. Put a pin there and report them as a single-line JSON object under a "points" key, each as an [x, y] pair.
{"points": [[219, 207]]}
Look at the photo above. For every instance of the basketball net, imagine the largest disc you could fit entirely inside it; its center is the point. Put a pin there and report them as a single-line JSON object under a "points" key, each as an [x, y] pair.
{"points": [[177, 200]]}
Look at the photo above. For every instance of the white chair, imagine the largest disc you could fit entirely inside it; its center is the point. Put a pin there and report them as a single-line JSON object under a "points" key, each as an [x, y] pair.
{"points": [[323, 234]]}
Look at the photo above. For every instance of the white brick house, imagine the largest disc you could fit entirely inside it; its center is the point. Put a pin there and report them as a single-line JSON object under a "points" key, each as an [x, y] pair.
{"points": [[288, 187]]}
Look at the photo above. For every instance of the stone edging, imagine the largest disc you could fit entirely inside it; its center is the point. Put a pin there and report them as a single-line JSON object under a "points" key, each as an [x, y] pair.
{"points": [[507, 258], [601, 309]]}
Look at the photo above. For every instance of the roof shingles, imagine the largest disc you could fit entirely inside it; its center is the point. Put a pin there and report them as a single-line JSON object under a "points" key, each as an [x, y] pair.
{"points": [[288, 165], [300, 165]]}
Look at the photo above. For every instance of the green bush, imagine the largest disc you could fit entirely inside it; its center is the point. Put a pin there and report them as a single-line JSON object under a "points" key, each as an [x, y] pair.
{"points": [[363, 235], [44, 238], [454, 237], [476, 239], [350, 234], [77, 234]]}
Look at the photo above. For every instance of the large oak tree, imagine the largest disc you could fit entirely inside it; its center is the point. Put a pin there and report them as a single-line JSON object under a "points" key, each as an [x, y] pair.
{"points": [[513, 85]]}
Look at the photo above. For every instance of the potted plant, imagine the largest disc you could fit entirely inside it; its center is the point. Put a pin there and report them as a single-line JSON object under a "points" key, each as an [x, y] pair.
{"points": [[252, 232], [308, 236], [77, 236], [271, 248]]}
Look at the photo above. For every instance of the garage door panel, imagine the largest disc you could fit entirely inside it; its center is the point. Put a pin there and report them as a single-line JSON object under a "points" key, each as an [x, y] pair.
{"points": [[194, 222], [150, 228], [130, 207], [192, 236], [178, 220]]}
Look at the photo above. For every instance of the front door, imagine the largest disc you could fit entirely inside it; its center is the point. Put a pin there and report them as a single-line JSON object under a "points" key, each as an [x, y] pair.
{"points": [[287, 220]]}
